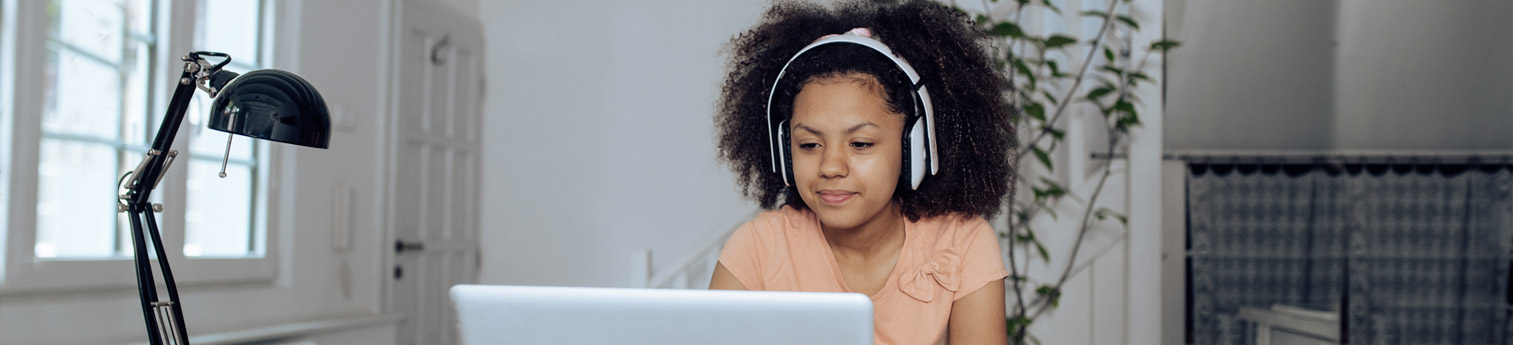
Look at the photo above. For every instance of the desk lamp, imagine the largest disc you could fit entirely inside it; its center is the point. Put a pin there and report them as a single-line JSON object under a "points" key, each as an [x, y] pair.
{"points": [[264, 104]]}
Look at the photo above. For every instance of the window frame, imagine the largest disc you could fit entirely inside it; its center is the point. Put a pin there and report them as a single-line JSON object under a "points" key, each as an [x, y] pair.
{"points": [[24, 43]]}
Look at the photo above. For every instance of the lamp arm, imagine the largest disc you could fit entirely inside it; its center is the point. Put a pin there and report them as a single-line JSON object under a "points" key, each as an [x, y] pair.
{"points": [[161, 154], [165, 320]]}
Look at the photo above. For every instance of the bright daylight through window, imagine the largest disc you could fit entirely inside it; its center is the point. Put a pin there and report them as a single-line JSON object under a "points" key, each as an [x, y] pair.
{"points": [[103, 92]]}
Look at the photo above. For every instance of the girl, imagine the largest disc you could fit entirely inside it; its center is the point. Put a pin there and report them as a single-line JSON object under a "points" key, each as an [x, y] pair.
{"points": [[882, 131]]}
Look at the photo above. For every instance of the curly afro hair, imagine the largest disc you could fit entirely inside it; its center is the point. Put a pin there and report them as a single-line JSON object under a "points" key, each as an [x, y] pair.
{"points": [[973, 121]]}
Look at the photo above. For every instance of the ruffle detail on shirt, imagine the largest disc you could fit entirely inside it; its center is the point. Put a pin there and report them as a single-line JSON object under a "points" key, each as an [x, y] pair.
{"points": [[939, 272]]}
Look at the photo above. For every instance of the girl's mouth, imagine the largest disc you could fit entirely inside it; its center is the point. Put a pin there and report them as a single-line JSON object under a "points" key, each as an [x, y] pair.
{"points": [[834, 197]]}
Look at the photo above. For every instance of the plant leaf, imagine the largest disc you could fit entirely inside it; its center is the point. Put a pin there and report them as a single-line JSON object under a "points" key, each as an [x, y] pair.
{"points": [[1164, 45], [1124, 106], [1024, 69], [1058, 41], [1007, 29], [1108, 54], [1098, 93], [1052, 189], [1035, 110], [1056, 133], [1044, 158], [1122, 218], [1094, 13], [1048, 94], [1051, 6], [1051, 293], [1127, 121], [1017, 322], [1130, 21], [1055, 72], [1128, 116]]}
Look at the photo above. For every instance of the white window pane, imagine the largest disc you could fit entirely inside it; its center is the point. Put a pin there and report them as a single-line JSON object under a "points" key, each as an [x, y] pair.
{"points": [[76, 200], [83, 96], [134, 112], [218, 220], [95, 26], [231, 27], [139, 16]]}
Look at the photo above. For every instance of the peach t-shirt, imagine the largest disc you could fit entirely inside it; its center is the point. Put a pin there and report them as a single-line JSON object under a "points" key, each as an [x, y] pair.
{"points": [[943, 259]]}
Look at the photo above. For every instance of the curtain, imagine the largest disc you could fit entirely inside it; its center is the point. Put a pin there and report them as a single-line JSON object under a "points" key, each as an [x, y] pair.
{"points": [[1405, 254]]}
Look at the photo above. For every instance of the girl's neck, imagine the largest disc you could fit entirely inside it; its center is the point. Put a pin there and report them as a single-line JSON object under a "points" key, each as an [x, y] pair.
{"points": [[879, 236]]}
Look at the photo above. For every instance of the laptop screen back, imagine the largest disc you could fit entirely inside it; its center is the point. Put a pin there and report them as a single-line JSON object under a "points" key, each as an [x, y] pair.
{"points": [[568, 315]]}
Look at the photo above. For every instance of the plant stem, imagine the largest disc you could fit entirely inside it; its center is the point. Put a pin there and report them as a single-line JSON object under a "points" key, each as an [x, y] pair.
{"points": [[1081, 233], [1077, 82]]}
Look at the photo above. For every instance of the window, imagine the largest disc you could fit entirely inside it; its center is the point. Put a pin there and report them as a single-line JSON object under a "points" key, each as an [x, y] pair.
{"points": [[104, 74], [219, 219], [94, 120]]}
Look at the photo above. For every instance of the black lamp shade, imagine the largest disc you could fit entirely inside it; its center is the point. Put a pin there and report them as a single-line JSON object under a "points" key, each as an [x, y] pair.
{"points": [[272, 105]]}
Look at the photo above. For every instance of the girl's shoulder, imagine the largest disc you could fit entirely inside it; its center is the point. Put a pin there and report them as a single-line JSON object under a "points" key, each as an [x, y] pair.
{"points": [[954, 229], [952, 222], [781, 222]]}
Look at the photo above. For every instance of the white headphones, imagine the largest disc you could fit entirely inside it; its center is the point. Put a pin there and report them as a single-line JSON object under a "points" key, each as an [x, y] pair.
{"points": [[919, 126]]}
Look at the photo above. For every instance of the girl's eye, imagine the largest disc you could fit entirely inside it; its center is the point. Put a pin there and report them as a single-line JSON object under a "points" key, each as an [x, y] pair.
{"points": [[861, 145], [808, 146]]}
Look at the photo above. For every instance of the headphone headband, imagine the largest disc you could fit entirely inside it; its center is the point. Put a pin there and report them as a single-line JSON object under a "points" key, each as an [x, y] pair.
{"points": [[862, 37]]}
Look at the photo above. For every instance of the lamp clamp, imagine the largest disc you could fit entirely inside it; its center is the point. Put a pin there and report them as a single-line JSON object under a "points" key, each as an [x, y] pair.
{"points": [[202, 70]]}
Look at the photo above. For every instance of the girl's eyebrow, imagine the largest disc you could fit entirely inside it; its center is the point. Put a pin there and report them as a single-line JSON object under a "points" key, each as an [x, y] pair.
{"points": [[853, 129]]}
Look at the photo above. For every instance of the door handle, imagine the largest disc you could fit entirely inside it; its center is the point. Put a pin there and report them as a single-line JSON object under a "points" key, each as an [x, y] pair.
{"points": [[400, 246]]}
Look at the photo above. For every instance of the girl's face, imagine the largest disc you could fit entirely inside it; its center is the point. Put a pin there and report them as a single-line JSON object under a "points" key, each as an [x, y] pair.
{"points": [[847, 149]]}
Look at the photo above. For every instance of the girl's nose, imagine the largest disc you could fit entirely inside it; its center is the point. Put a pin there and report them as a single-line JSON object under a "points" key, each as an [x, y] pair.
{"points": [[833, 162]]}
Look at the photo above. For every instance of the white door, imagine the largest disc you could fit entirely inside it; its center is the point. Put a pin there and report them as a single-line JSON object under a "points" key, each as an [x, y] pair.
{"points": [[433, 166]]}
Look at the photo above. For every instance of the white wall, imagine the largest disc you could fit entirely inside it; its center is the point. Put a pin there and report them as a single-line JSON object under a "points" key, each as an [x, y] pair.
{"points": [[1424, 75], [1340, 75], [1250, 74], [341, 58], [599, 138], [462, 6]]}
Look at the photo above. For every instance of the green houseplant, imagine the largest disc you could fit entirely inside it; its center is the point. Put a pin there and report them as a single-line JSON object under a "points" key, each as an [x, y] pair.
{"points": [[1042, 90]]}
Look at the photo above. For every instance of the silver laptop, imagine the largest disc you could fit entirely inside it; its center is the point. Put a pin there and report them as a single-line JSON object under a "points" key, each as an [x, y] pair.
{"points": [[494, 314]]}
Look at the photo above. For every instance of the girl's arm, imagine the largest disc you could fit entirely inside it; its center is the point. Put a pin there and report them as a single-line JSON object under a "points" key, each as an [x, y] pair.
{"points": [[724, 280], [977, 318]]}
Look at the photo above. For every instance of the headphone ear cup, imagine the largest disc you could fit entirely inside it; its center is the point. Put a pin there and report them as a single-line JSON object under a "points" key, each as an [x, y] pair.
{"points": [[912, 171], [785, 157], [903, 167], [917, 153]]}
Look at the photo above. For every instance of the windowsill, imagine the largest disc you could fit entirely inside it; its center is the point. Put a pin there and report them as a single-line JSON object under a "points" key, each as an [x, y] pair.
{"points": [[291, 330], [41, 277]]}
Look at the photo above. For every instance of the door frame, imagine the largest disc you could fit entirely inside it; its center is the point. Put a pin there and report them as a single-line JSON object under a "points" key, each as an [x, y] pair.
{"points": [[393, 27]]}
